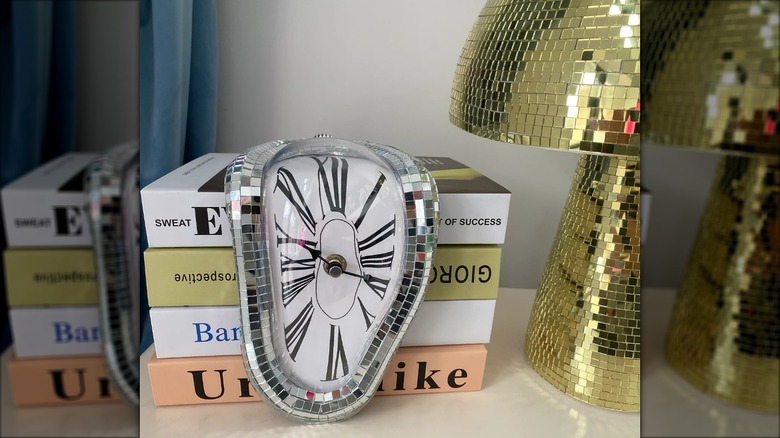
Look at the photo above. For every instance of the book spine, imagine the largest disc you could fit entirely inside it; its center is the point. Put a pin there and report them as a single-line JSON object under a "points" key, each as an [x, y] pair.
{"points": [[469, 218], [186, 219], [60, 381], [222, 379], [215, 331], [48, 206], [207, 276], [45, 218], [55, 331], [50, 277]]}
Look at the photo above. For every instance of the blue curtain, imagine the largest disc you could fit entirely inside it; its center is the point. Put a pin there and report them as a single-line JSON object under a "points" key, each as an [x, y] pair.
{"points": [[178, 93], [37, 92]]}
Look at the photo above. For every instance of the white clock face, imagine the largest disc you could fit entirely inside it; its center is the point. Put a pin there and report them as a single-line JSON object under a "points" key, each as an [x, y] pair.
{"points": [[336, 234]]}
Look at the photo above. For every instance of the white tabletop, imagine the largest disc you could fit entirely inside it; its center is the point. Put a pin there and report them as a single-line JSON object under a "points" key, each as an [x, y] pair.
{"points": [[514, 401], [103, 420], [673, 407]]}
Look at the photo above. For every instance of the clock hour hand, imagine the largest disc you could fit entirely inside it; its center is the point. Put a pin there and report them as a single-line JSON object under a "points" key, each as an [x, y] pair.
{"points": [[335, 266], [318, 254]]}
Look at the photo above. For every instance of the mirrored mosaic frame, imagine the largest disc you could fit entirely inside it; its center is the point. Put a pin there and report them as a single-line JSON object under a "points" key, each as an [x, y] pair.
{"points": [[244, 188], [109, 181]]}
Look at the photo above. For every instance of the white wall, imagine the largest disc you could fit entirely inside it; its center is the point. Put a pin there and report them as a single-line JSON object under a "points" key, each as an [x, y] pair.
{"points": [[679, 180], [380, 71]]}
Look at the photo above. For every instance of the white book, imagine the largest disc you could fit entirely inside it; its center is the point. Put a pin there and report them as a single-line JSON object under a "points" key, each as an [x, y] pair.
{"points": [[55, 331], [215, 330], [186, 207], [48, 206]]}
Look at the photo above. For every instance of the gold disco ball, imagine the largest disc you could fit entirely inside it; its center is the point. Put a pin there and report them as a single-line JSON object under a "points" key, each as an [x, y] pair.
{"points": [[554, 74], [711, 83], [565, 75]]}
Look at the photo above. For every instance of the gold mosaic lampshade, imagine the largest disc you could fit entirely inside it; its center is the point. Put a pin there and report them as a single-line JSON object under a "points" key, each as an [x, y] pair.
{"points": [[711, 82], [564, 75]]}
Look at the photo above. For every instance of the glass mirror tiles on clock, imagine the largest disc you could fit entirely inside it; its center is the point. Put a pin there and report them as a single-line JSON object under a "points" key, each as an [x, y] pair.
{"points": [[334, 241], [112, 185]]}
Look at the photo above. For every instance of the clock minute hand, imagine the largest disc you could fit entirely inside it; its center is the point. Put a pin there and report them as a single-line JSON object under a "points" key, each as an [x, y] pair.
{"points": [[331, 260]]}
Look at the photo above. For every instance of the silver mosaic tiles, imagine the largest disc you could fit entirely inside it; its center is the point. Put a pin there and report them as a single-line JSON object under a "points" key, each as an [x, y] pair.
{"points": [[247, 192], [111, 184]]}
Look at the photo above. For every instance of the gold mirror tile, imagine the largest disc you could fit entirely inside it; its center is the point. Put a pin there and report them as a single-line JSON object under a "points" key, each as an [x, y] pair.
{"points": [[724, 335], [529, 66], [584, 333], [711, 75]]}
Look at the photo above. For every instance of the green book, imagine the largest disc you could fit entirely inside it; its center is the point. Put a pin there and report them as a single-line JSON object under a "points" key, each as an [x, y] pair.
{"points": [[50, 276], [207, 276]]}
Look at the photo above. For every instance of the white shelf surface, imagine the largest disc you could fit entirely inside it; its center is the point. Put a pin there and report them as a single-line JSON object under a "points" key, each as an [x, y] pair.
{"points": [[101, 420], [514, 401]]}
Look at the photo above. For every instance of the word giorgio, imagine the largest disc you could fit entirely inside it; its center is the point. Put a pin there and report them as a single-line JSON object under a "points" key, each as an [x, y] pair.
{"points": [[461, 274]]}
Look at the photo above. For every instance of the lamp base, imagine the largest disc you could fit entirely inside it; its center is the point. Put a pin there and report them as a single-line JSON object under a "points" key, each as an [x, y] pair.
{"points": [[724, 335], [584, 332]]}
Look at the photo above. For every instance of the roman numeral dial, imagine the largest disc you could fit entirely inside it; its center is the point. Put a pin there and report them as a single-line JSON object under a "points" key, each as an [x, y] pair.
{"points": [[335, 242], [289, 265], [370, 200], [337, 358], [367, 316], [379, 236], [291, 289], [286, 183], [378, 285], [295, 333], [380, 260], [282, 238], [332, 173]]}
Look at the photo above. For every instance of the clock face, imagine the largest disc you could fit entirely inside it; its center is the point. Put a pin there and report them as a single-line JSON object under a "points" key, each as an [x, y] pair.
{"points": [[335, 227], [334, 242]]}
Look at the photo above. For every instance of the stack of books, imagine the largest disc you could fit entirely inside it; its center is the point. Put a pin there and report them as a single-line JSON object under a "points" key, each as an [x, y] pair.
{"points": [[193, 292], [51, 288]]}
